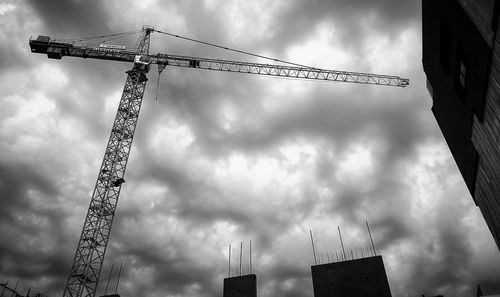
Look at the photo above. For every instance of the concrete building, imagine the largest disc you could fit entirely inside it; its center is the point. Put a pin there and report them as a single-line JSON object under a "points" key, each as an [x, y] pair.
{"points": [[461, 59], [240, 286], [364, 277]]}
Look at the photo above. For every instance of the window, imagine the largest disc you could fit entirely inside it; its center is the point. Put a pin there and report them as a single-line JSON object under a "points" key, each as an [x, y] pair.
{"points": [[461, 75]]}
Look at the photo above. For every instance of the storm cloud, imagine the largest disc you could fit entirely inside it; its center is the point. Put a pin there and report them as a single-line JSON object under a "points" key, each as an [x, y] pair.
{"points": [[224, 158]]}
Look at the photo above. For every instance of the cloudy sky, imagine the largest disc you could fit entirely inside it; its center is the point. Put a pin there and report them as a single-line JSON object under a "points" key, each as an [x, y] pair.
{"points": [[222, 158]]}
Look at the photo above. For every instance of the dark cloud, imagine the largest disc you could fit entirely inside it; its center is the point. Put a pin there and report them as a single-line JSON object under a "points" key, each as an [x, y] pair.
{"points": [[69, 19], [17, 181], [350, 19], [30, 224], [336, 119]]}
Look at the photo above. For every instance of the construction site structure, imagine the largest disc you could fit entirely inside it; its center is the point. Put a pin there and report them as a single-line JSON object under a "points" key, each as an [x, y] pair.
{"points": [[240, 286], [362, 277], [89, 256]]}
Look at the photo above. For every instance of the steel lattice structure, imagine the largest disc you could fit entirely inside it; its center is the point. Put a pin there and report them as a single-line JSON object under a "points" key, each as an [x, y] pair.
{"points": [[279, 70], [89, 256], [59, 48]]}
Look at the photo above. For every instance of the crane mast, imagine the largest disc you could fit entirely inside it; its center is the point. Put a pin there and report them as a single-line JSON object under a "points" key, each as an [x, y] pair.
{"points": [[89, 255]]}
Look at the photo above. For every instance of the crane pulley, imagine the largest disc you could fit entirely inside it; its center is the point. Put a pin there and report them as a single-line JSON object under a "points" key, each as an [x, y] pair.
{"points": [[89, 256]]}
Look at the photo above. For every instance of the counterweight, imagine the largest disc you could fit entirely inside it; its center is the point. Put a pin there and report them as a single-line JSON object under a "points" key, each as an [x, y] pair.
{"points": [[89, 256]]}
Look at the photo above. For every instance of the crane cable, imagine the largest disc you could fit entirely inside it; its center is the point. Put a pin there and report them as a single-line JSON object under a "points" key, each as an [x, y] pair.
{"points": [[99, 39], [161, 67], [234, 50], [110, 35], [122, 35]]}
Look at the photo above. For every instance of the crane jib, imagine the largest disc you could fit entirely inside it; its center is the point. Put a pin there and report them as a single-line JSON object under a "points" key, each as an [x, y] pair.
{"points": [[56, 49], [110, 50], [112, 46]]}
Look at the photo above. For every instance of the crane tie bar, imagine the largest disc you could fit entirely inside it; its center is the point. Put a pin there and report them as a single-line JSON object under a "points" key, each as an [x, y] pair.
{"points": [[234, 50]]}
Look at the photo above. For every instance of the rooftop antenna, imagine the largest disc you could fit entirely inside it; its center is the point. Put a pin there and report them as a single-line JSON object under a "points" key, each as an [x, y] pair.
{"points": [[250, 256], [314, 250], [109, 278], [118, 280], [371, 239], [229, 266], [241, 254], [342, 243]]}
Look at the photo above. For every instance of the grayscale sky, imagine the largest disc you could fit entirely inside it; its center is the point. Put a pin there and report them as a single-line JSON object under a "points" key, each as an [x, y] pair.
{"points": [[222, 158]]}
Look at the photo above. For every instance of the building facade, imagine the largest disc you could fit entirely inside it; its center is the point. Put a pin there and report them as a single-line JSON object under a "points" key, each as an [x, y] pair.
{"points": [[364, 277], [240, 286], [461, 59]]}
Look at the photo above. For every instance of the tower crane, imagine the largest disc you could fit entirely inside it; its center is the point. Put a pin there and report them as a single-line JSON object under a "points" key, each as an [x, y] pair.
{"points": [[89, 255]]}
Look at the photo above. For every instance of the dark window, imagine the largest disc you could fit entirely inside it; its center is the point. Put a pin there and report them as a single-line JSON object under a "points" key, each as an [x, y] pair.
{"points": [[461, 74], [445, 46]]}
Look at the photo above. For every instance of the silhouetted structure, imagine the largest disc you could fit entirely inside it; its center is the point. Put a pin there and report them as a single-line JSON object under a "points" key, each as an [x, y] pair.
{"points": [[364, 277], [495, 295], [240, 286], [461, 53], [11, 292], [479, 293]]}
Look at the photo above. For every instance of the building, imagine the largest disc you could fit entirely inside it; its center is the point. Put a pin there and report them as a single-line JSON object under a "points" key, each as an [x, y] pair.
{"points": [[479, 293], [461, 59], [240, 286], [364, 277]]}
